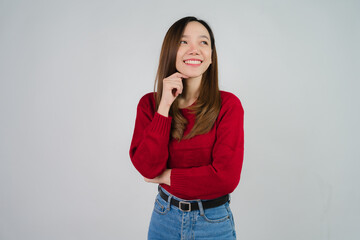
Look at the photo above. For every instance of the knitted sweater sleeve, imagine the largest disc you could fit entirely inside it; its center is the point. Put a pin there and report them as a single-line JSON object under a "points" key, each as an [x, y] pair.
{"points": [[223, 174], [149, 146]]}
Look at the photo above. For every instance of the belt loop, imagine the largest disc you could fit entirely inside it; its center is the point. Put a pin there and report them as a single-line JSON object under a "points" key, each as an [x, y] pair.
{"points": [[201, 209], [169, 201], [169, 197]]}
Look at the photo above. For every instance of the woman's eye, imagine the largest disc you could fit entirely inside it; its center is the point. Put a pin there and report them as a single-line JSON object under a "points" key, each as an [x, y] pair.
{"points": [[183, 41], [205, 42]]}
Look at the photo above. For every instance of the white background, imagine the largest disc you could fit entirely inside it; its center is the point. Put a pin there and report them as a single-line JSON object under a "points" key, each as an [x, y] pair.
{"points": [[73, 71]]}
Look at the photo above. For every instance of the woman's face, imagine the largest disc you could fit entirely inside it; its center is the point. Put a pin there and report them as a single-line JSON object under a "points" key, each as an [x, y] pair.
{"points": [[194, 54]]}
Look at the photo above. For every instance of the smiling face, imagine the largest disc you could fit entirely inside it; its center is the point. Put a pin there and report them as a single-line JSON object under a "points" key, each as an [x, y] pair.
{"points": [[194, 54]]}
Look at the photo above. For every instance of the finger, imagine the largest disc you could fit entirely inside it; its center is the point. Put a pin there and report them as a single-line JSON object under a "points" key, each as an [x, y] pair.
{"points": [[174, 84], [170, 83], [148, 180], [180, 75], [151, 181], [179, 89], [177, 93], [183, 75]]}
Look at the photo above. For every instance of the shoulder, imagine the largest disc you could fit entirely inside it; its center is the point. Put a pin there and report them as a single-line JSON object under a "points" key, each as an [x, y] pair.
{"points": [[148, 97], [229, 99], [147, 102], [231, 108]]}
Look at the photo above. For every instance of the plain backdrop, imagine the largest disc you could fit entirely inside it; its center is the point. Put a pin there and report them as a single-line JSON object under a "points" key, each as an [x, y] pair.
{"points": [[72, 73]]}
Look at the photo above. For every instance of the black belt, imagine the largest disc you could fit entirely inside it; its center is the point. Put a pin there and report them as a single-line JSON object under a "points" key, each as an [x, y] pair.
{"points": [[191, 206]]}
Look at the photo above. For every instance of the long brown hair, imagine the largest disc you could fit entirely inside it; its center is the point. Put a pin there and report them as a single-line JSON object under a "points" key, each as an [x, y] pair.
{"points": [[208, 104]]}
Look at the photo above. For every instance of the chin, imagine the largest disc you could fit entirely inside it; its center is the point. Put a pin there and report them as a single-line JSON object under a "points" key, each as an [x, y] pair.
{"points": [[191, 74]]}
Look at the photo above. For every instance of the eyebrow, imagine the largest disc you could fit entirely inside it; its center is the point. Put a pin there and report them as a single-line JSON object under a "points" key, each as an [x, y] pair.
{"points": [[201, 36]]}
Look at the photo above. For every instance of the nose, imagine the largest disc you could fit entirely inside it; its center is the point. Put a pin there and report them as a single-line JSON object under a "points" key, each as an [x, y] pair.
{"points": [[193, 49]]}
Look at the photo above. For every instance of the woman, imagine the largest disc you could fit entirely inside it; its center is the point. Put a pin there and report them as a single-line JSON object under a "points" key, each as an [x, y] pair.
{"points": [[189, 139]]}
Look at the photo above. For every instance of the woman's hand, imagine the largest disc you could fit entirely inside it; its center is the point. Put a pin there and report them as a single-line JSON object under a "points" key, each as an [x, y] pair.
{"points": [[163, 178], [172, 87]]}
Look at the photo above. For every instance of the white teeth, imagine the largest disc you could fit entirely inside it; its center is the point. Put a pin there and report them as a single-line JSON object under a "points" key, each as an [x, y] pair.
{"points": [[192, 62]]}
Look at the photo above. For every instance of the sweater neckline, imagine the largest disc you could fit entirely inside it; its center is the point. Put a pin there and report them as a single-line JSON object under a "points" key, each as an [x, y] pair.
{"points": [[187, 108]]}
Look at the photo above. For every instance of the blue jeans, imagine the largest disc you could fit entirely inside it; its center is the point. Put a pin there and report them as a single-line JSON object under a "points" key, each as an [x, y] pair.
{"points": [[169, 222]]}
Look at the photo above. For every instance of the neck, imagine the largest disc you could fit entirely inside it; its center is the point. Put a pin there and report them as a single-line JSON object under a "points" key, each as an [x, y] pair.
{"points": [[192, 86]]}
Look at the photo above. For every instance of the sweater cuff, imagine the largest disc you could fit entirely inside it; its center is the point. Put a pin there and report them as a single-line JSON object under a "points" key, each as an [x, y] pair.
{"points": [[161, 124], [178, 180]]}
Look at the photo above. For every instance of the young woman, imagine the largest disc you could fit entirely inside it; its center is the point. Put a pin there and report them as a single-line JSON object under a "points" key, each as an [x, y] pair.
{"points": [[189, 139]]}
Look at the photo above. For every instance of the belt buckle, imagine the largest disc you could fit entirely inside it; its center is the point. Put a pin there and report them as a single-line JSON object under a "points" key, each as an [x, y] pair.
{"points": [[186, 203]]}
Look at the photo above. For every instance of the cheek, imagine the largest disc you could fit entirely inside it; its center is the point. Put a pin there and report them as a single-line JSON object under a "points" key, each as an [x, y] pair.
{"points": [[179, 57], [178, 62], [208, 55]]}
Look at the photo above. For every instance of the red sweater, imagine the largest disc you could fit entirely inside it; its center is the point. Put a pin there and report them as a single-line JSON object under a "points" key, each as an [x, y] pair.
{"points": [[204, 167]]}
